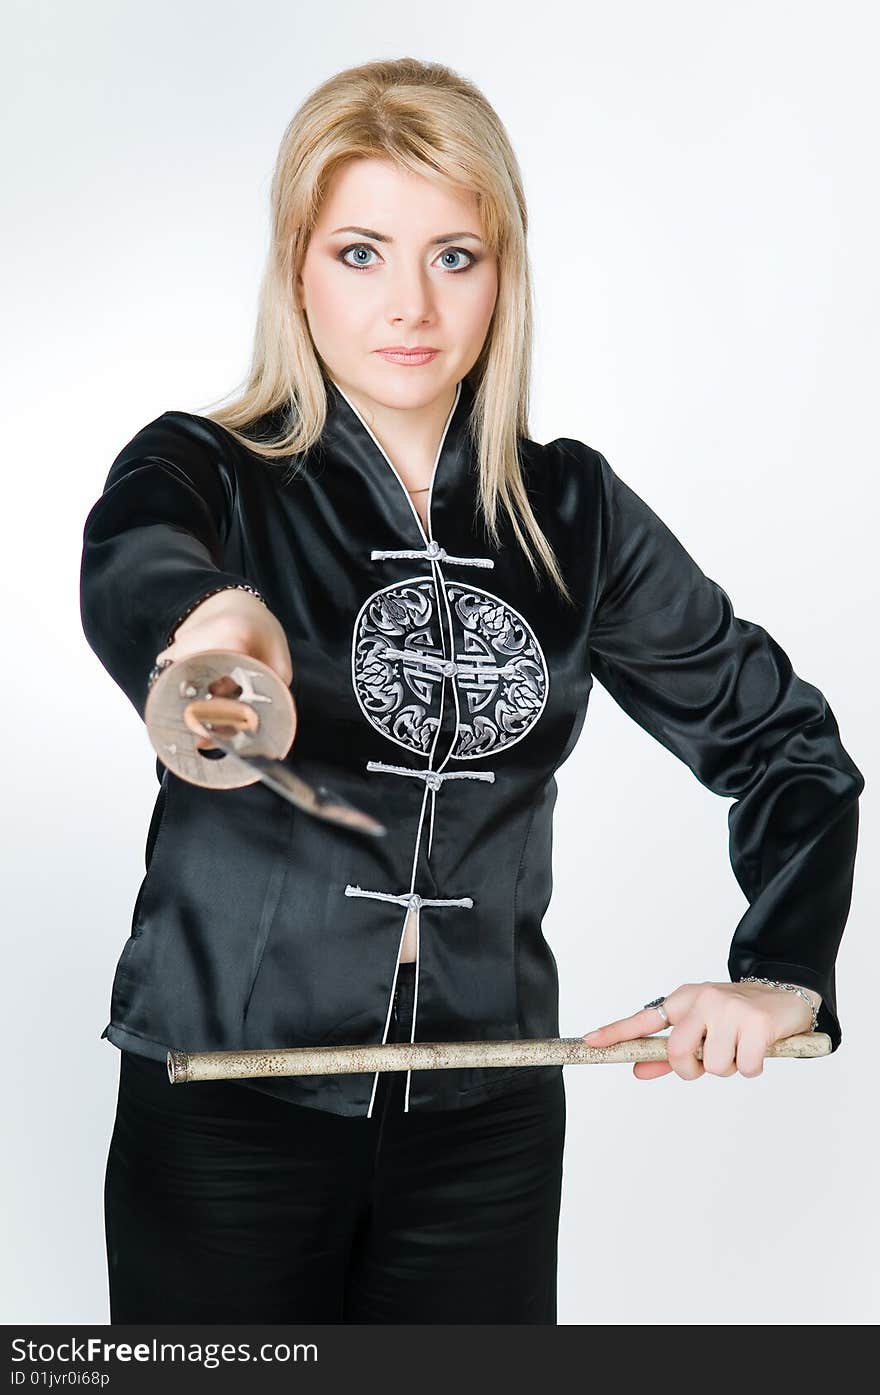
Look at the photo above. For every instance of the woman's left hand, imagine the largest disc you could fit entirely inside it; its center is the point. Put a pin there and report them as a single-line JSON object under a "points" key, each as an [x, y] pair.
{"points": [[735, 1022]]}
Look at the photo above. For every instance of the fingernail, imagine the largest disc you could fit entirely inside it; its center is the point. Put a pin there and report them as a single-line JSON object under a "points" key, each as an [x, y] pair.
{"points": [[594, 1033]]}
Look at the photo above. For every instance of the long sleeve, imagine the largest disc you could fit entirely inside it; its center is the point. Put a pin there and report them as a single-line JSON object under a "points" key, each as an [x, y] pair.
{"points": [[720, 693], [153, 545]]}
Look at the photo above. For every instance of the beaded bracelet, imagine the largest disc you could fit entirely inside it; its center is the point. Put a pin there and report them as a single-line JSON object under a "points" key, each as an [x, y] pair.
{"points": [[789, 988], [227, 586]]}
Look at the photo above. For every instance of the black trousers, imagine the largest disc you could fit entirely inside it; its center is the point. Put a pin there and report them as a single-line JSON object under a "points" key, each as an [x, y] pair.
{"points": [[223, 1204]]}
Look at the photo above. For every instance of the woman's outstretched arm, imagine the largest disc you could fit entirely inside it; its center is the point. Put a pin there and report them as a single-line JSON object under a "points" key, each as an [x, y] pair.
{"points": [[153, 545]]}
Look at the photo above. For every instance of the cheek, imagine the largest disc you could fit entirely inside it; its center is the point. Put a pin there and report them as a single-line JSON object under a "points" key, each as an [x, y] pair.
{"points": [[482, 305], [334, 313]]}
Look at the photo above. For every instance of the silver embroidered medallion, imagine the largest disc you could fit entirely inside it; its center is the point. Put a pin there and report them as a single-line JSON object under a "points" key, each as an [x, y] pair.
{"points": [[399, 664]]}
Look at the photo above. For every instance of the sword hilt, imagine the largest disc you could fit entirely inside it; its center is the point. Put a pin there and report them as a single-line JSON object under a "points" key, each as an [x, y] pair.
{"points": [[223, 715]]}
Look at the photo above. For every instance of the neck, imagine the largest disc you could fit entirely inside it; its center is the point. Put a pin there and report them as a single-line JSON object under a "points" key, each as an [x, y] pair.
{"points": [[410, 436]]}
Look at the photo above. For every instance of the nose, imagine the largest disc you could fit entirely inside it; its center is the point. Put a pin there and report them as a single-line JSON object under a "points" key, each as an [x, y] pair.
{"points": [[410, 296]]}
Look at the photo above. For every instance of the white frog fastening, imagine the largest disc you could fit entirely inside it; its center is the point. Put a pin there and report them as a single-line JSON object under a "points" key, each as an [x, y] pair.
{"points": [[411, 898], [433, 778], [432, 551]]}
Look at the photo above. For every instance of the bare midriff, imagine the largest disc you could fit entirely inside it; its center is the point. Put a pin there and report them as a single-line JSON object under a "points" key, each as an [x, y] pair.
{"points": [[408, 953]]}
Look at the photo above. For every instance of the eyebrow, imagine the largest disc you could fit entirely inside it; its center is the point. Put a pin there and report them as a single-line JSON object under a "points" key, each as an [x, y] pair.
{"points": [[434, 241]]}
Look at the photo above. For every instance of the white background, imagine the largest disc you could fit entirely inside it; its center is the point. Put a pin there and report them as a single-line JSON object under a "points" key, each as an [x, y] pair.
{"points": [[704, 232]]}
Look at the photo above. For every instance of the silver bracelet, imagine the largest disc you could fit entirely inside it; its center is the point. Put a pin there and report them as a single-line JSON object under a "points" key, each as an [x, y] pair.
{"points": [[789, 988], [227, 586]]}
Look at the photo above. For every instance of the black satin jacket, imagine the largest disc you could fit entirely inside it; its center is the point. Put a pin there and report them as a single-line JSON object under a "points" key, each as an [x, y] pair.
{"points": [[438, 686]]}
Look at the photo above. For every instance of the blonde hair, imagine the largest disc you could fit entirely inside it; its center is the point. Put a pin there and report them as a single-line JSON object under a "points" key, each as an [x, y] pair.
{"points": [[428, 120]]}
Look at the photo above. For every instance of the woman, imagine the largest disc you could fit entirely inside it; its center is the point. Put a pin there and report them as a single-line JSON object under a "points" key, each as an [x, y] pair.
{"points": [[371, 519]]}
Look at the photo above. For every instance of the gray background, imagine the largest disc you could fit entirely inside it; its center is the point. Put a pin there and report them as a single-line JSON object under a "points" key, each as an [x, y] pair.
{"points": [[703, 236]]}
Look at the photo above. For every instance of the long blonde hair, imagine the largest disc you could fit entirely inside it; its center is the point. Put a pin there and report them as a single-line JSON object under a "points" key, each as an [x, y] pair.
{"points": [[430, 121]]}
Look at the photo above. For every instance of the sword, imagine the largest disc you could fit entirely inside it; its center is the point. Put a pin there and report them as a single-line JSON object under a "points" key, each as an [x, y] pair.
{"points": [[223, 720]]}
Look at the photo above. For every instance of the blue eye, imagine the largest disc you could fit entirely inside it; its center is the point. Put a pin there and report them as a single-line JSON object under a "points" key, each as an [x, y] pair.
{"points": [[456, 252], [357, 247], [447, 251]]}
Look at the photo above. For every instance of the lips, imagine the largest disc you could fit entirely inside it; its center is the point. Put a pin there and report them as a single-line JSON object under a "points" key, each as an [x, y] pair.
{"points": [[408, 356]]}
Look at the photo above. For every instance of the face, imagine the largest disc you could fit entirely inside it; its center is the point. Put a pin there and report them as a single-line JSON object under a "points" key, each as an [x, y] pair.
{"points": [[397, 260]]}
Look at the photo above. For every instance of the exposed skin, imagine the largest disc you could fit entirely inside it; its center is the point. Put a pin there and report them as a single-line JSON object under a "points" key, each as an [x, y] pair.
{"points": [[410, 293], [407, 291], [738, 1021]]}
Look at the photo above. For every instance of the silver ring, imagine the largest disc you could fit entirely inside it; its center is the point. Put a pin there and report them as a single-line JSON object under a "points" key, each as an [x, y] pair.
{"points": [[658, 1004]]}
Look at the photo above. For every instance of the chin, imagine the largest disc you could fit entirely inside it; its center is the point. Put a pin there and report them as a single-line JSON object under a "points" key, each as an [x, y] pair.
{"points": [[395, 385]]}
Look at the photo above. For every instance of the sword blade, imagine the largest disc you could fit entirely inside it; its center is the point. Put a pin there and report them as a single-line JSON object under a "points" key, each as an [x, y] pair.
{"points": [[317, 800]]}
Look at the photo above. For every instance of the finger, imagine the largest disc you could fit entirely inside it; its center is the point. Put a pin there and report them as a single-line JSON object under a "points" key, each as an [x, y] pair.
{"points": [[719, 1048], [281, 663], [681, 1046], [271, 648], [640, 1024], [751, 1046], [651, 1070]]}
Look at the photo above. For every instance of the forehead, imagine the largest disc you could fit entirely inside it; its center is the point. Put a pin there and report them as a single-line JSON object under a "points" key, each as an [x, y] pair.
{"points": [[377, 193]]}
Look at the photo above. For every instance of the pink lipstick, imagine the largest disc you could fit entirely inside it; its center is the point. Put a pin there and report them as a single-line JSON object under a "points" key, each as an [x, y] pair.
{"points": [[412, 357]]}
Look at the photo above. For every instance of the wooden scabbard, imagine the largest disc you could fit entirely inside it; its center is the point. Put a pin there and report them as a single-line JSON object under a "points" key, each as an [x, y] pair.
{"points": [[185, 1067]]}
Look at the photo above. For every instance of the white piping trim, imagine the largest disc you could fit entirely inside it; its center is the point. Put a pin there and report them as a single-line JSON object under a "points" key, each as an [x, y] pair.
{"points": [[430, 547], [413, 868], [400, 942], [388, 1014], [412, 1029], [378, 443]]}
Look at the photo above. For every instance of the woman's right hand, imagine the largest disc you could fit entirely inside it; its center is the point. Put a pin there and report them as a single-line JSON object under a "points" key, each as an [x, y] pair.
{"points": [[233, 619]]}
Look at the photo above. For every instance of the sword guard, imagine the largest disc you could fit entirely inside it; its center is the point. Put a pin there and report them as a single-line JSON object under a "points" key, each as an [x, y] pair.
{"points": [[242, 698]]}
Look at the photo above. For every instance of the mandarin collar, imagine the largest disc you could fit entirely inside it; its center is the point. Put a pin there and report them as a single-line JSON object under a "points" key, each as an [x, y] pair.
{"points": [[348, 438]]}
